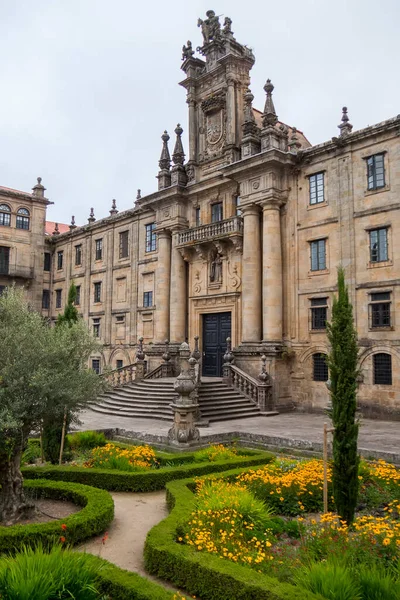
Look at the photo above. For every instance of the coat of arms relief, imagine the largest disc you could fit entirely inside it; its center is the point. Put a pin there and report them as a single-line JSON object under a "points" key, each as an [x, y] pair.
{"points": [[214, 112]]}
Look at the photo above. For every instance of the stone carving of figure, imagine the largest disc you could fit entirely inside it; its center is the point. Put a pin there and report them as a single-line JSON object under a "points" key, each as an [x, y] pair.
{"points": [[227, 26], [187, 51], [216, 269], [210, 27]]}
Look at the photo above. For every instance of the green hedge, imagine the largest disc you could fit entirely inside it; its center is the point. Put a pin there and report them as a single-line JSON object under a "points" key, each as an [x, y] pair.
{"points": [[201, 574], [95, 516], [147, 481]]}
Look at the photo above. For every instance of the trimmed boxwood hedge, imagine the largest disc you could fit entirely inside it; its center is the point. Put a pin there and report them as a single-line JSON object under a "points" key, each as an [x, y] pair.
{"points": [[147, 481], [201, 574], [95, 516]]}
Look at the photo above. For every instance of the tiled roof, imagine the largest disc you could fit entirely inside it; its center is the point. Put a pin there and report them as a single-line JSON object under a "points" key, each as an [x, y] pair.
{"points": [[50, 225]]}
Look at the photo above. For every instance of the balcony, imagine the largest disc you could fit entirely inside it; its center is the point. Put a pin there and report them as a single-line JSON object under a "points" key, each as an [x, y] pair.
{"points": [[16, 272], [228, 228]]}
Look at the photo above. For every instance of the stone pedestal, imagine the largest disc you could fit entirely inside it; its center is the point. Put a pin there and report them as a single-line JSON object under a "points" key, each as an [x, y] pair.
{"points": [[140, 362], [163, 285], [272, 273], [251, 275]]}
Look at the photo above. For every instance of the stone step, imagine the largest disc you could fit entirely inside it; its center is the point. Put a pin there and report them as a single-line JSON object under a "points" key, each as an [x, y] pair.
{"points": [[132, 413], [138, 404]]}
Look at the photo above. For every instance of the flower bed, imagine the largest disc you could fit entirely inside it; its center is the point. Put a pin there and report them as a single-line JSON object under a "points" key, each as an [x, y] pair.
{"points": [[95, 516]]}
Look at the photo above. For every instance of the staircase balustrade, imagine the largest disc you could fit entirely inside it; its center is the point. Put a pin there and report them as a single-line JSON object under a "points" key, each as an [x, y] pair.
{"points": [[258, 392], [120, 376]]}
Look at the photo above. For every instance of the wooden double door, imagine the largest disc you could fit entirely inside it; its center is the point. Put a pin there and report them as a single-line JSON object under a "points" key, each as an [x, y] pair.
{"points": [[216, 328]]}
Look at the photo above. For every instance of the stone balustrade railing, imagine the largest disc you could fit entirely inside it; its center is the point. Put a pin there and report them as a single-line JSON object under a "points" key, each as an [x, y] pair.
{"points": [[212, 230], [121, 376], [258, 392]]}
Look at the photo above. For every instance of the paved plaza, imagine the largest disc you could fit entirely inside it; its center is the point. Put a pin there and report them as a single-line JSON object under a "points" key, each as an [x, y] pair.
{"points": [[300, 431]]}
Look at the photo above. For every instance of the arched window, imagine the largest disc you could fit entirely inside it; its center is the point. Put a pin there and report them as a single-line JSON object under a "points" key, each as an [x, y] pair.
{"points": [[22, 218], [320, 367], [382, 369], [5, 215]]}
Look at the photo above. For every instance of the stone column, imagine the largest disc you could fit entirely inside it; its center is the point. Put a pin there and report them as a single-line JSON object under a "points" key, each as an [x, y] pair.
{"points": [[163, 276], [272, 273], [251, 275], [230, 112], [192, 128], [178, 306]]}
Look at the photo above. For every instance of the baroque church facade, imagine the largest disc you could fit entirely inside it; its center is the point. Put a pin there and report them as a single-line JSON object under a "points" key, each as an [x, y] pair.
{"points": [[242, 239]]}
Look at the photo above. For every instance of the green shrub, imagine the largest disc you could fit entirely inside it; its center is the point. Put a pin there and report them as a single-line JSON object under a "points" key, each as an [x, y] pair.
{"points": [[86, 440], [155, 479], [51, 436], [214, 453], [330, 580], [377, 584], [34, 574], [31, 452], [95, 516]]}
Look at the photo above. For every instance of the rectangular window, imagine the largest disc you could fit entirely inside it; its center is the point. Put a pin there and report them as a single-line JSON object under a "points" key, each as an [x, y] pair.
{"points": [[120, 363], [60, 260], [197, 217], [99, 249], [78, 295], [97, 291], [216, 212], [378, 244], [120, 319], [382, 369], [319, 310], [46, 299], [376, 171], [147, 299], [58, 298], [151, 237], [320, 368], [379, 310], [96, 327], [317, 193], [4, 260], [96, 365], [47, 261], [124, 244], [318, 255], [78, 255]]}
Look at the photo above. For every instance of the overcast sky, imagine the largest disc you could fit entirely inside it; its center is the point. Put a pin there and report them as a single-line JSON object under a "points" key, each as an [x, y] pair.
{"points": [[88, 86]]}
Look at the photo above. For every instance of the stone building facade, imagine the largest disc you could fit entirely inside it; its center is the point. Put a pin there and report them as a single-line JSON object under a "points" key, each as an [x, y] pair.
{"points": [[242, 240]]}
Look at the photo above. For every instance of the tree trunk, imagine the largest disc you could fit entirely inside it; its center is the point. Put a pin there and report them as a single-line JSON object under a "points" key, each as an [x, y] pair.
{"points": [[13, 505]]}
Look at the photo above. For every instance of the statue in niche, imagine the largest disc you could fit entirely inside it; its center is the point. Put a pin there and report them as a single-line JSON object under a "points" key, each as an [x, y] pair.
{"points": [[216, 269], [210, 27], [187, 51]]}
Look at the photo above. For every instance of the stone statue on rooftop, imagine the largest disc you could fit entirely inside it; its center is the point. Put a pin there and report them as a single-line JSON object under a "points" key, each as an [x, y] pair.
{"points": [[227, 26], [187, 51], [210, 27]]}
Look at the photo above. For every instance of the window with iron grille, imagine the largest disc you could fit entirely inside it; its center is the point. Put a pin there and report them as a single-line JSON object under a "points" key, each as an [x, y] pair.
{"points": [[78, 295], [22, 218], [376, 171], [216, 212], [58, 298], [99, 249], [96, 365], [382, 369], [147, 299], [5, 215], [320, 368], [197, 216], [46, 299], [97, 291], [124, 244], [317, 192], [379, 310], [60, 260], [47, 261], [78, 255], [96, 327], [151, 237], [378, 244], [120, 363], [318, 255], [319, 310]]}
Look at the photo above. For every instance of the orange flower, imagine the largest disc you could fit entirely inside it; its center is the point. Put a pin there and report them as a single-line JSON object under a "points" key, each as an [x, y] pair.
{"points": [[62, 539], [64, 527], [105, 537]]}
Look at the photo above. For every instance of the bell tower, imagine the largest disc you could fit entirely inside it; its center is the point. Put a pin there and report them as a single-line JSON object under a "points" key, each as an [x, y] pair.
{"points": [[216, 86]]}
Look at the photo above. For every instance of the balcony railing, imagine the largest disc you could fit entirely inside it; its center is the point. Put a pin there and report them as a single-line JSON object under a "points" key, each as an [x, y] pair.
{"points": [[234, 225], [16, 271]]}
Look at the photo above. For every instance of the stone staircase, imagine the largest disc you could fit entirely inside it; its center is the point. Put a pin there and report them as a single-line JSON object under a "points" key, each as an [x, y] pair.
{"points": [[151, 399]]}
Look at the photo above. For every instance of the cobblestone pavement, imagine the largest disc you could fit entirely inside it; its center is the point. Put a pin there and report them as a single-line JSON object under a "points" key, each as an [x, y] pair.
{"points": [[380, 437]]}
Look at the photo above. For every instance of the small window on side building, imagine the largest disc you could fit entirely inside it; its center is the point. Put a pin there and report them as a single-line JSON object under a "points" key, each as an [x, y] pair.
{"points": [[320, 367], [382, 363], [376, 171]]}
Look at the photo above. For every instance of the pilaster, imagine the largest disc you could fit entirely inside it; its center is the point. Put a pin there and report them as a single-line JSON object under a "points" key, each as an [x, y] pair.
{"points": [[272, 272], [163, 285], [251, 274]]}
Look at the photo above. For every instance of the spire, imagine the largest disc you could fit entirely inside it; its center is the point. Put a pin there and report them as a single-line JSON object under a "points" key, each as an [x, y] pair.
{"points": [[56, 229], [251, 134], [164, 175], [39, 189], [138, 198], [178, 174], [72, 226], [345, 127], [113, 210], [91, 218], [269, 115]]}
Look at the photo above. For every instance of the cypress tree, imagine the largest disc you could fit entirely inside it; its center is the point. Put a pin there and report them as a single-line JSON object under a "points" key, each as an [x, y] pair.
{"points": [[70, 314], [342, 362]]}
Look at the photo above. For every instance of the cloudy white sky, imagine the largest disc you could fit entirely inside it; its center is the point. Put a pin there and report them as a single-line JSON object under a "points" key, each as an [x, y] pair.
{"points": [[88, 86]]}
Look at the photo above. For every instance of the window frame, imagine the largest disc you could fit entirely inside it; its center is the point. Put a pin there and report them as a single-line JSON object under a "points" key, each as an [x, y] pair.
{"points": [[316, 374], [314, 188], [97, 370], [217, 210], [124, 244], [47, 259], [372, 172], [380, 306], [316, 306], [318, 255], [119, 363], [150, 237], [45, 295], [197, 216], [96, 327], [78, 255], [78, 296], [5, 211], [97, 288], [98, 249], [23, 219], [379, 249], [60, 260], [381, 376], [58, 298], [148, 299]]}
